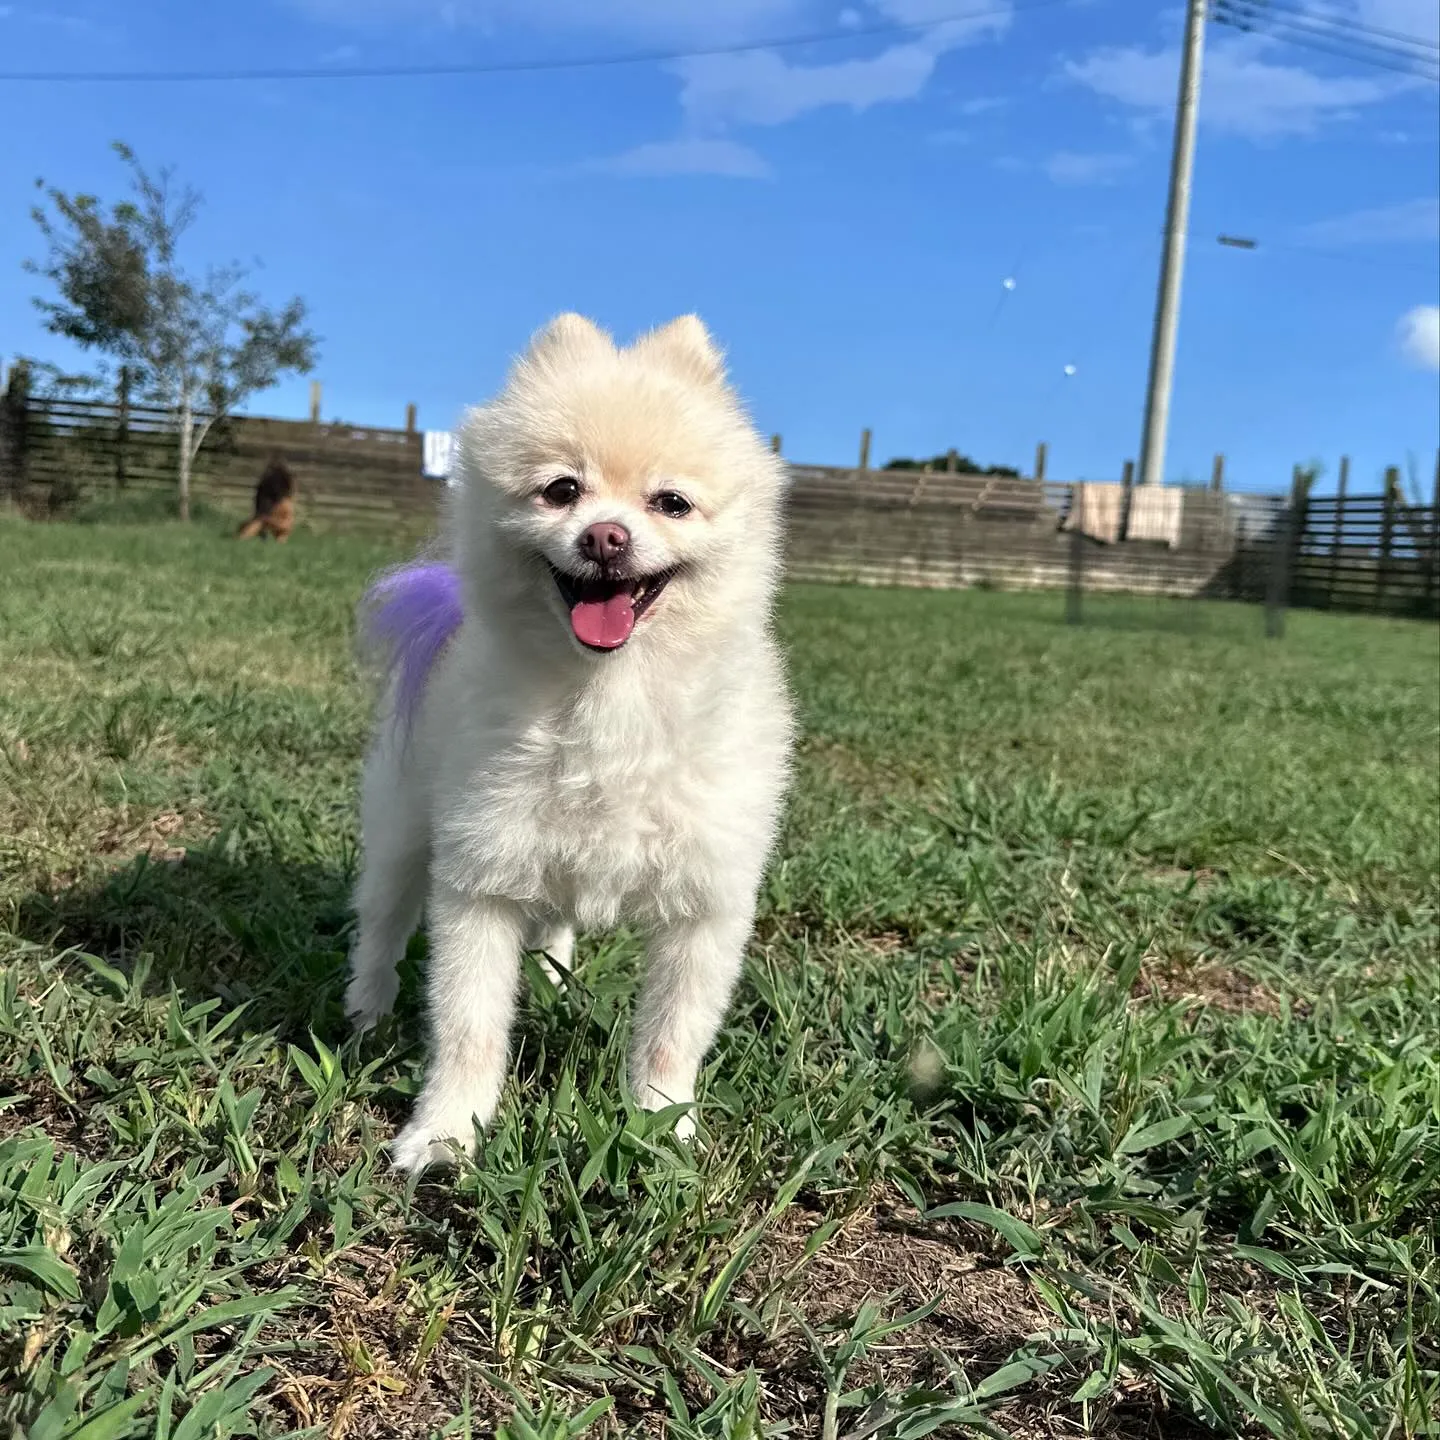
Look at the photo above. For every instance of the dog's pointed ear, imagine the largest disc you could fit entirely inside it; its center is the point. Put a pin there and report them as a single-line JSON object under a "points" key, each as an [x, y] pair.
{"points": [[568, 337], [685, 347]]}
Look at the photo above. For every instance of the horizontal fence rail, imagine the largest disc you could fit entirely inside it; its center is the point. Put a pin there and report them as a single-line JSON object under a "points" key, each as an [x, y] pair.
{"points": [[855, 526]]}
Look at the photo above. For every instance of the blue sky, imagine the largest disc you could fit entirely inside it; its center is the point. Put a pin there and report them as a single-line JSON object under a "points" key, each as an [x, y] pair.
{"points": [[844, 214]]}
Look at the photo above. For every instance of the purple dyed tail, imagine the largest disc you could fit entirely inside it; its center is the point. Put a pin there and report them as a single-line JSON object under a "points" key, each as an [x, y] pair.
{"points": [[408, 615]]}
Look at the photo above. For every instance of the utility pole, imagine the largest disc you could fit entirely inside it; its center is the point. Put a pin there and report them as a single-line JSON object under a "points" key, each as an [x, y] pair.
{"points": [[1172, 263]]}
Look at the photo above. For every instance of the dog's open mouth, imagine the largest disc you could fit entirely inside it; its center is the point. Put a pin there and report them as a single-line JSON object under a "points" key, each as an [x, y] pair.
{"points": [[603, 611]]}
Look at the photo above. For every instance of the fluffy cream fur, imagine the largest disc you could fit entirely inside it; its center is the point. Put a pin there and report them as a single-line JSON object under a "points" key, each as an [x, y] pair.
{"points": [[546, 787]]}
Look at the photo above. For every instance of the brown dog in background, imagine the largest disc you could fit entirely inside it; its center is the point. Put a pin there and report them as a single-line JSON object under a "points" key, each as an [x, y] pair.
{"points": [[274, 504]]}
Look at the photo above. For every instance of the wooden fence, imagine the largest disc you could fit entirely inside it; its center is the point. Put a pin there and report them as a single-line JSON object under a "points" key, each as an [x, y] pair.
{"points": [[884, 527], [53, 452], [1369, 552], [876, 527]]}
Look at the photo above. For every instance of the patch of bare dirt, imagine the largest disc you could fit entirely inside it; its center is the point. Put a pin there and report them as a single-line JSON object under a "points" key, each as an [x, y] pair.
{"points": [[370, 1362], [892, 1252], [1183, 877], [43, 1108], [1209, 984], [887, 942], [987, 1309], [128, 835]]}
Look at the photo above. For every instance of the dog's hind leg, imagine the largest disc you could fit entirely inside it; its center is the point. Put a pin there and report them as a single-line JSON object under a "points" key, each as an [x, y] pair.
{"points": [[281, 521], [390, 894]]}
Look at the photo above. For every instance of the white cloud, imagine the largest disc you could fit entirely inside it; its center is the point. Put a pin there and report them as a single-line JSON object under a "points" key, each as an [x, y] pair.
{"points": [[1409, 220], [754, 87], [762, 87], [1243, 92], [1073, 167], [692, 156], [1419, 335]]}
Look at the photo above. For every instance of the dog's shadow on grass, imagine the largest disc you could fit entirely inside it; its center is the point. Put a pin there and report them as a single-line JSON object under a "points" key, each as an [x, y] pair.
{"points": [[273, 934], [262, 931]]}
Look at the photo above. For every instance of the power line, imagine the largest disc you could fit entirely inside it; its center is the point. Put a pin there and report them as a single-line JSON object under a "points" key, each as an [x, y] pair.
{"points": [[1255, 18], [509, 67], [1259, 17], [1339, 50], [1267, 14], [1344, 22], [1290, 248]]}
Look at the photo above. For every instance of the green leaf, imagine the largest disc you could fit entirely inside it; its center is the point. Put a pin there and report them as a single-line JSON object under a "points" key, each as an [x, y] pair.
{"points": [[42, 1264], [1160, 1133], [1199, 1290], [678, 1409], [117, 980], [1017, 1372], [1023, 1239], [1270, 1260], [286, 1175], [1261, 1218], [114, 1422], [309, 1070], [51, 1422], [211, 1415], [130, 1256], [1095, 1384], [232, 1310], [589, 1415]]}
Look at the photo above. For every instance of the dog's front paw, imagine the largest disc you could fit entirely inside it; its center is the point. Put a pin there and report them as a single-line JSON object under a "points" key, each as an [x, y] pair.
{"points": [[422, 1144], [653, 1097], [368, 999]]}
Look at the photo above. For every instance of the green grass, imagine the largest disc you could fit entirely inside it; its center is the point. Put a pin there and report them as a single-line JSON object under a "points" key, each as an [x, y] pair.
{"points": [[1085, 1075]]}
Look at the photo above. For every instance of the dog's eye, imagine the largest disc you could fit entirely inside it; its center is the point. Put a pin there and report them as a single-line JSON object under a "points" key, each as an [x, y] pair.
{"points": [[562, 492], [669, 502]]}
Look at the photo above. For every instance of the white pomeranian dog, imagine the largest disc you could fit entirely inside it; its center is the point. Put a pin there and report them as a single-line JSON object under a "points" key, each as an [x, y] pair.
{"points": [[587, 720]]}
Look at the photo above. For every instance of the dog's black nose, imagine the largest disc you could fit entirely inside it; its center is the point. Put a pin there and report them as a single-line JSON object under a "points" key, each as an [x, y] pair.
{"points": [[604, 542]]}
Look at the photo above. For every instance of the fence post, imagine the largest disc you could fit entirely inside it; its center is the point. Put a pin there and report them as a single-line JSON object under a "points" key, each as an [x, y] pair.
{"points": [[1127, 497], [14, 419], [1337, 538], [1387, 534], [410, 418], [122, 425], [1282, 549], [1217, 475], [1042, 453], [952, 461], [314, 402], [1075, 578], [865, 448], [1430, 553]]}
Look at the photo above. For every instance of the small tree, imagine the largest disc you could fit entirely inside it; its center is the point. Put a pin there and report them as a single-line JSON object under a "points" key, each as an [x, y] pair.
{"points": [[201, 347]]}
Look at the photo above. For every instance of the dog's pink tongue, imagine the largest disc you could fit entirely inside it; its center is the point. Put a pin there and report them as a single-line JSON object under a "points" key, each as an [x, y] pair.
{"points": [[605, 624]]}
